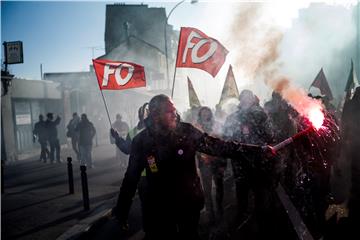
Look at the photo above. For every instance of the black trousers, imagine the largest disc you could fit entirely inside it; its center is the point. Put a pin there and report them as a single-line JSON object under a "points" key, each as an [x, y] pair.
{"points": [[75, 146], [172, 223], [251, 179], [211, 172], [44, 151], [54, 150]]}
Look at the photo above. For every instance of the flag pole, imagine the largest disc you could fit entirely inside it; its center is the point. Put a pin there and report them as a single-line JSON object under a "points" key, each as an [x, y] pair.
{"points": [[177, 55], [107, 111], [173, 86]]}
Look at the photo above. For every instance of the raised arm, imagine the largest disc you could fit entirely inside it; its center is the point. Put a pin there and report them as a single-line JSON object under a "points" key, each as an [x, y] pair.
{"points": [[123, 145], [57, 120]]}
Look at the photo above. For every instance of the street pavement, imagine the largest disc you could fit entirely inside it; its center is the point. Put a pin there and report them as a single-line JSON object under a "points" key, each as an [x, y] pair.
{"points": [[226, 228], [36, 203]]}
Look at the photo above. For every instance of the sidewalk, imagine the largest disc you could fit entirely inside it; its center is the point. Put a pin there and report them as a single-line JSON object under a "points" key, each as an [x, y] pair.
{"points": [[37, 204]]}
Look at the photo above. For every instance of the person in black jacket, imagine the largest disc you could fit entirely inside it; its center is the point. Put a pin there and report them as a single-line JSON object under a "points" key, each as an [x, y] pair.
{"points": [[71, 133], [125, 146], [86, 131], [40, 133], [351, 146], [52, 136], [166, 149]]}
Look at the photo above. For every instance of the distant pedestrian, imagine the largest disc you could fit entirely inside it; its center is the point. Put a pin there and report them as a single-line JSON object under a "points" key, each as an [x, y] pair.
{"points": [[122, 128], [86, 131], [71, 133], [40, 133], [52, 137]]}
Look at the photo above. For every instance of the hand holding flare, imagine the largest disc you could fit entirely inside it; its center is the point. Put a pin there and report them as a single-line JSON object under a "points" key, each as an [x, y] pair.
{"points": [[316, 117]]}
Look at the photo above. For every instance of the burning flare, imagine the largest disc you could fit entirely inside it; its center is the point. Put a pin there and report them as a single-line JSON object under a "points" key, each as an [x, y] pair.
{"points": [[316, 117]]}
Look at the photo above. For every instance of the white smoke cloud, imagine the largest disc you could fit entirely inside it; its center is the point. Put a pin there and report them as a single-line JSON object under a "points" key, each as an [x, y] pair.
{"points": [[294, 39]]}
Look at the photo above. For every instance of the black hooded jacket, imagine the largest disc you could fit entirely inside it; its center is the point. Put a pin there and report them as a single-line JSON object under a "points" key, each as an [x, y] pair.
{"points": [[169, 160]]}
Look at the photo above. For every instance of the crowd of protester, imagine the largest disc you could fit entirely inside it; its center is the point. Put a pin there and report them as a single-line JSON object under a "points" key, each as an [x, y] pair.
{"points": [[167, 155]]}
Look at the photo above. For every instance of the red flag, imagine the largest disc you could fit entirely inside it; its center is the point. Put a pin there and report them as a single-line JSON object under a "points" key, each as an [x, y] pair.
{"points": [[321, 83], [114, 75], [197, 50]]}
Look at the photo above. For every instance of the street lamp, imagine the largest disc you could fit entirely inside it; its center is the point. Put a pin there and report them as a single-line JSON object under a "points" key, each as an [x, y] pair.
{"points": [[165, 34]]}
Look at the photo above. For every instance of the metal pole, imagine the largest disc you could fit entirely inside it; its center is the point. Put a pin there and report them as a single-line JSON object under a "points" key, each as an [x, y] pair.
{"points": [[166, 54], [78, 101], [165, 38], [107, 110], [85, 189], [3, 154], [177, 54], [2, 176], [71, 176], [5, 56], [41, 72]]}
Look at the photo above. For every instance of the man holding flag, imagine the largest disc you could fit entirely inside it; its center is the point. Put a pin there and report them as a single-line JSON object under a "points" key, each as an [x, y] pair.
{"points": [[166, 147], [166, 150]]}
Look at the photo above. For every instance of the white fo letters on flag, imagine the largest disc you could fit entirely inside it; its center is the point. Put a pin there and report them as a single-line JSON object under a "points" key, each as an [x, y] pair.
{"points": [[115, 68], [196, 46]]}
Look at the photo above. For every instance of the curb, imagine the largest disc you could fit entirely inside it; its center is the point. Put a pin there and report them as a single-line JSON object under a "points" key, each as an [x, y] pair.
{"points": [[87, 224]]}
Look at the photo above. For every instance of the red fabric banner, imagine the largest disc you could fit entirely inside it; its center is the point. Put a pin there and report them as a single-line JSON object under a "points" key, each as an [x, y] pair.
{"points": [[197, 50], [114, 75]]}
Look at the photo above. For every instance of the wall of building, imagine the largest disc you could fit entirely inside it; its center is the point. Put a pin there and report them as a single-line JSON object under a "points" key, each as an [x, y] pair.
{"points": [[20, 110], [137, 17], [8, 128], [131, 36], [35, 89]]}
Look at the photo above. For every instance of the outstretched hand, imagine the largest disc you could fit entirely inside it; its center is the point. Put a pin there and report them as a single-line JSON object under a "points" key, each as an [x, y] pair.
{"points": [[114, 133], [268, 151]]}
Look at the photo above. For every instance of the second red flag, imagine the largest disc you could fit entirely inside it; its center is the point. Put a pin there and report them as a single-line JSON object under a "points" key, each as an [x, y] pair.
{"points": [[197, 50]]}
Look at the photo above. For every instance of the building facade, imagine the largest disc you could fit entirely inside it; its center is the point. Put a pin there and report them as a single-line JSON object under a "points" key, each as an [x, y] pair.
{"points": [[20, 110], [138, 33]]}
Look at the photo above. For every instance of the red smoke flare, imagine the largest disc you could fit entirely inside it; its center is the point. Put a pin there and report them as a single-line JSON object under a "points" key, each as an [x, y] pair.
{"points": [[316, 117]]}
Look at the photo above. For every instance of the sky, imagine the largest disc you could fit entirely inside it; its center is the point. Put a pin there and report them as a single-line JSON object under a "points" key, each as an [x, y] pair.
{"points": [[58, 35], [65, 36]]}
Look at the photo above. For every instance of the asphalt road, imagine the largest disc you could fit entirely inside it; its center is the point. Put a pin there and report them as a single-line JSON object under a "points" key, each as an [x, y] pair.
{"points": [[37, 204]]}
